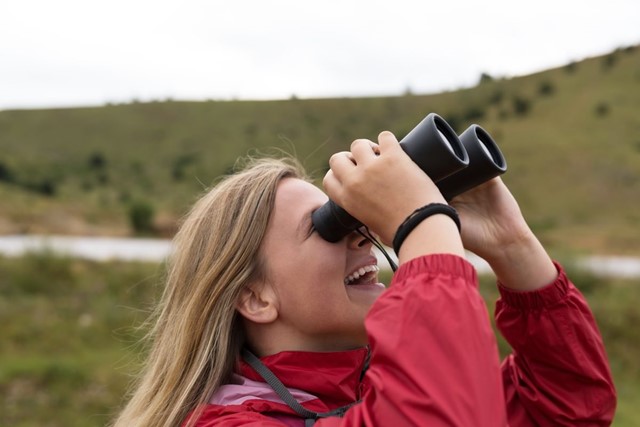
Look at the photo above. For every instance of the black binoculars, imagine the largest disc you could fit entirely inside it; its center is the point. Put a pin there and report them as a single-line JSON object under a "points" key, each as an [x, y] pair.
{"points": [[455, 164]]}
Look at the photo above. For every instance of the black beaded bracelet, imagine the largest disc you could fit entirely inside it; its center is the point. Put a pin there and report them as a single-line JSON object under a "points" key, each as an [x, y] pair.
{"points": [[420, 215]]}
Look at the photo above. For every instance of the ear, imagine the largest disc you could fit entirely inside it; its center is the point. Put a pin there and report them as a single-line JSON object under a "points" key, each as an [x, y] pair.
{"points": [[258, 303]]}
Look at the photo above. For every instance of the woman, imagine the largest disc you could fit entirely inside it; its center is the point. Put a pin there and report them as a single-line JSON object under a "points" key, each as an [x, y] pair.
{"points": [[248, 271]]}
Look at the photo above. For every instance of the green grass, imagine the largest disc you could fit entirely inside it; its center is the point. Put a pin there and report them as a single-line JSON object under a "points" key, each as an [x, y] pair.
{"points": [[573, 151], [69, 336]]}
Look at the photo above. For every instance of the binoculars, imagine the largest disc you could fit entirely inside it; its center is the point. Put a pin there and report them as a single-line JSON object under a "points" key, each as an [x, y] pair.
{"points": [[455, 164]]}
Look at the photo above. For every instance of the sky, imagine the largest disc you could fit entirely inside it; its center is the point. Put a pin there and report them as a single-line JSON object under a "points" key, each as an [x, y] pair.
{"points": [[62, 53]]}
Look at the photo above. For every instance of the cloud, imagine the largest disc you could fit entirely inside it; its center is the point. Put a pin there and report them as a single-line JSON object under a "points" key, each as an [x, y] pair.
{"points": [[72, 52]]}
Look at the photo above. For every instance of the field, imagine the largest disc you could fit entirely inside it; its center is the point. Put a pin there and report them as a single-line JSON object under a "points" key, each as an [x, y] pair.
{"points": [[70, 329], [570, 136], [70, 332]]}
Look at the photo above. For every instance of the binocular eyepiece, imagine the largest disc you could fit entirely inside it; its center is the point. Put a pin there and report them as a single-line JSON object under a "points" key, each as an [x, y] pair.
{"points": [[455, 164]]}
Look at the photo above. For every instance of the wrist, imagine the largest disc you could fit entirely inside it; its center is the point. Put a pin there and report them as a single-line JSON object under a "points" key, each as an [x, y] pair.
{"points": [[512, 246], [523, 264], [418, 216], [436, 234]]}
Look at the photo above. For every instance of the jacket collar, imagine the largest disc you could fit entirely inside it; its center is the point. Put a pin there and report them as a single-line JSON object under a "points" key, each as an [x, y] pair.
{"points": [[333, 377]]}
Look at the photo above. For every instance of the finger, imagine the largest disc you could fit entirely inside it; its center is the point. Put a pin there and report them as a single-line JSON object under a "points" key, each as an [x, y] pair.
{"points": [[364, 149], [331, 185], [387, 141], [342, 163]]}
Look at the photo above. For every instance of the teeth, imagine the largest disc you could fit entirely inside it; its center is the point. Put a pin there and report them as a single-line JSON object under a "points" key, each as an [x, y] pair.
{"points": [[359, 273]]}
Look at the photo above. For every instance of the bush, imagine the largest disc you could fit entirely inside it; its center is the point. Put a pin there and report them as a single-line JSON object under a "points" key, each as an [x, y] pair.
{"points": [[608, 61], [46, 187], [97, 161], [546, 88], [521, 105], [473, 113], [6, 174], [180, 165], [497, 97], [485, 78], [602, 109], [571, 67], [141, 215]]}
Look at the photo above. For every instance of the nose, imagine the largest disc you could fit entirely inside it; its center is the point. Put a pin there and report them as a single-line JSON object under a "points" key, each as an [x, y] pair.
{"points": [[356, 240]]}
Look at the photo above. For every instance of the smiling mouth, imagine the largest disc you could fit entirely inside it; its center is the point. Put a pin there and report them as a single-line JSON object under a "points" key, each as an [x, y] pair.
{"points": [[362, 275]]}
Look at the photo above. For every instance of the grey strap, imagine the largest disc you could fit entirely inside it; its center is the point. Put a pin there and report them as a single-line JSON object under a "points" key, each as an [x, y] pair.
{"points": [[281, 390]]}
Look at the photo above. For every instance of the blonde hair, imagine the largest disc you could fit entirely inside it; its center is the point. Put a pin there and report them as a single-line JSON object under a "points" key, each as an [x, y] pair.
{"points": [[197, 336]]}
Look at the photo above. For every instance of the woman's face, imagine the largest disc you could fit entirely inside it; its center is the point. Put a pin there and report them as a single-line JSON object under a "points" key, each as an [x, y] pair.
{"points": [[321, 299]]}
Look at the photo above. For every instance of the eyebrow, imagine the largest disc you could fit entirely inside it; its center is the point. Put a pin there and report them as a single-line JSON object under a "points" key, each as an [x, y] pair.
{"points": [[304, 226]]}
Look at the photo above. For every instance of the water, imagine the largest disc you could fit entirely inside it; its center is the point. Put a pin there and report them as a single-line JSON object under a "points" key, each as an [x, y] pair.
{"points": [[93, 248], [156, 250]]}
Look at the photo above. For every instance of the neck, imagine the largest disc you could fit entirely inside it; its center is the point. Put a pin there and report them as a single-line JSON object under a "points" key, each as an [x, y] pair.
{"points": [[273, 338]]}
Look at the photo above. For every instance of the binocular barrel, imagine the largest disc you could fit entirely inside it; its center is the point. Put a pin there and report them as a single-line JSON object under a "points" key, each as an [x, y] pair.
{"points": [[455, 164]]}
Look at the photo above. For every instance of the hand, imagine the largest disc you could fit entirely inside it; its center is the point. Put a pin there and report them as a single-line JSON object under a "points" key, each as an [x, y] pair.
{"points": [[493, 228], [379, 184], [491, 219]]}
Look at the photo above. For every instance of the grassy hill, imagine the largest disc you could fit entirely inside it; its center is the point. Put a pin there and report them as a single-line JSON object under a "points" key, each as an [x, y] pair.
{"points": [[571, 136]]}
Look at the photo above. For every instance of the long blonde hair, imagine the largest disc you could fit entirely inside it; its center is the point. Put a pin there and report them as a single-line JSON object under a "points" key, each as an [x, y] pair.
{"points": [[196, 337]]}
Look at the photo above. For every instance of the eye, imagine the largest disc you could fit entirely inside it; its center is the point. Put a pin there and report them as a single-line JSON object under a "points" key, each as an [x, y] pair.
{"points": [[312, 227]]}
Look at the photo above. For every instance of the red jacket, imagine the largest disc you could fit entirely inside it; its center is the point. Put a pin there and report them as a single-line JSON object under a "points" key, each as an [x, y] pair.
{"points": [[558, 374]]}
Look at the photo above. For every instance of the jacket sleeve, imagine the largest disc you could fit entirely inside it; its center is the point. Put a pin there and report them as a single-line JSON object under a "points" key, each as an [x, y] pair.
{"points": [[558, 373], [434, 358]]}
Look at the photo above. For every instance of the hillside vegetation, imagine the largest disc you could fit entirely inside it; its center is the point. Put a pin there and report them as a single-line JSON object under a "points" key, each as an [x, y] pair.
{"points": [[70, 332], [571, 137]]}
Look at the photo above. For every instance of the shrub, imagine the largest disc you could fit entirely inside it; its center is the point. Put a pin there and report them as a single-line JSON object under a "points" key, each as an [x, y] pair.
{"points": [[608, 61], [473, 113], [180, 164], [521, 105], [103, 178], [546, 88], [141, 215], [496, 97], [485, 78], [6, 174], [97, 161], [602, 109], [46, 187], [571, 67]]}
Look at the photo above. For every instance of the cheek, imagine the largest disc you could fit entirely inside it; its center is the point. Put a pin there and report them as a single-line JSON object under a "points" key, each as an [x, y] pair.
{"points": [[311, 291], [309, 279], [310, 287]]}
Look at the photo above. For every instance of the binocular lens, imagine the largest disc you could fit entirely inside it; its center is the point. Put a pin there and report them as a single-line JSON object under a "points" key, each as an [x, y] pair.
{"points": [[485, 149], [490, 148], [444, 139]]}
